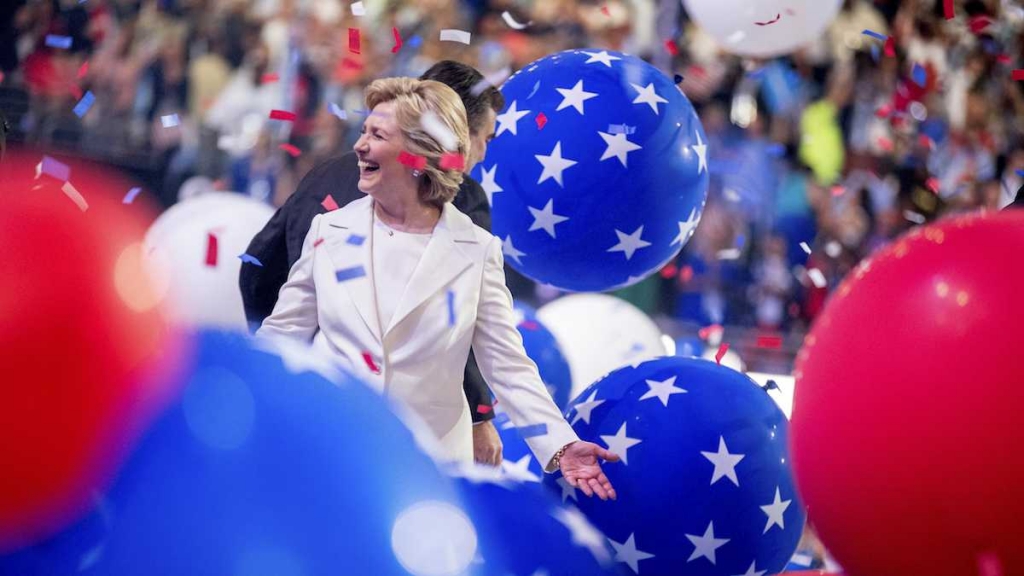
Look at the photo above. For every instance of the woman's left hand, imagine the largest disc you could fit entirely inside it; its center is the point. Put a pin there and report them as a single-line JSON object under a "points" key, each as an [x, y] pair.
{"points": [[580, 468]]}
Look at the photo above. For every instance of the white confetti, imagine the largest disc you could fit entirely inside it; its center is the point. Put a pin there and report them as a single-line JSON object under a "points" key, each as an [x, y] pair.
{"points": [[71, 192], [433, 126], [357, 9], [817, 278], [805, 247], [494, 79], [728, 254], [453, 35], [512, 23], [170, 120], [914, 217], [337, 111]]}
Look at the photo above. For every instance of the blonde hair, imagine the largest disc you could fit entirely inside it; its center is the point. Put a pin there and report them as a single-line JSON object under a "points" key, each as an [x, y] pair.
{"points": [[412, 99]]}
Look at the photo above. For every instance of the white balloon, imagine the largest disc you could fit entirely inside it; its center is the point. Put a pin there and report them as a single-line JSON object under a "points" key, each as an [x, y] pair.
{"points": [[599, 333], [203, 295], [762, 28]]}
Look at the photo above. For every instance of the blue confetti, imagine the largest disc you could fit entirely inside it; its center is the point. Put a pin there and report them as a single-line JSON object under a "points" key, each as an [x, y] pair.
{"points": [[621, 129], [250, 259], [451, 307], [56, 41], [534, 91], [919, 74], [874, 34], [776, 150], [533, 430], [1020, 172], [349, 273], [334, 109], [740, 239], [130, 196], [876, 52], [415, 41], [55, 168], [84, 104], [756, 74], [356, 239]]}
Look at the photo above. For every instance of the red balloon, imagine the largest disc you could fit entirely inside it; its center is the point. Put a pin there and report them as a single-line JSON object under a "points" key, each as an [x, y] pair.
{"points": [[85, 347], [906, 435]]}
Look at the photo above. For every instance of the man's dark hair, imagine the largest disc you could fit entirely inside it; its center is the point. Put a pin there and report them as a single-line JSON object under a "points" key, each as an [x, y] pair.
{"points": [[463, 79]]}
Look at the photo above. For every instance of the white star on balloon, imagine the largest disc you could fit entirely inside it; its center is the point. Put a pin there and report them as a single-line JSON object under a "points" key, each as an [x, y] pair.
{"points": [[554, 164], [617, 146], [583, 409], [725, 463], [620, 443], [603, 57], [488, 183], [705, 546], [686, 228], [627, 552], [510, 119], [509, 250], [662, 390], [753, 571], [545, 218], [567, 490], [775, 512], [701, 149], [648, 96], [574, 97], [629, 243], [519, 470], [583, 533]]}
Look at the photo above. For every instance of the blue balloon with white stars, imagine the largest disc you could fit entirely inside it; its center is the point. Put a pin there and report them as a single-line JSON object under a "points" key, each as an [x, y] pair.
{"points": [[523, 531], [705, 486], [543, 349], [264, 466], [597, 174]]}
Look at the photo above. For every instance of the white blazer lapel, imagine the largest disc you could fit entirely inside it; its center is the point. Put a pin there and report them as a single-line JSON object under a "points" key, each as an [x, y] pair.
{"points": [[442, 261], [348, 241]]}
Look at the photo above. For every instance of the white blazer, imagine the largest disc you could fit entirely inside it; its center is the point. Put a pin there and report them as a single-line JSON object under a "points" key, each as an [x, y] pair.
{"points": [[456, 298]]}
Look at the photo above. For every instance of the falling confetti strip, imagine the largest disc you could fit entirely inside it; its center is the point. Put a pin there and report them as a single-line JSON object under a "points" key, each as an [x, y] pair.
{"points": [[769, 341], [874, 34], [283, 115], [57, 41], [947, 9], [337, 111], [398, 41], [350, 273], [211, 249], [805, 247], [671, 47], [130, 196], [170, 120], [817, 278], [291, 149], [533, 430], [329, 204], [82, 70], [358, 9], [453, 161], [353, 40], [453, 35], [770, 22], [84, 104], [412, 160], [541, 120], [890, 47], [1017, 75], [932, 184], [721, 352], [368, 359], [250, 259], [493, 79], [71, 192], [433, 125], [512, 22], [55, 168], [355, 240], [269, 78], [978, 24]]}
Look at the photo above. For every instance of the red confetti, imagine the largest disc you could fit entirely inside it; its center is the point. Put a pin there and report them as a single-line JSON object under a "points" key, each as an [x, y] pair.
{"points": [[211, 249], [329, 204], [604, 9], [890, 47], [769, 341], [1017, 75], [884, 111], [706, 331], [932, 184], [947, 9], [484, 409], [685, 274], [669, 271], [541, 120], [978, 24], [351, 64], [671, 48], [885, 144], [1003, 59], [291, 149], [721, 352], [83, 70], [838, 190], [398, 41], [318, 242], [269, 78], [412, 160], [370, 363], [925, 141], [772, 21], [283, 115], [353, 40], [453, 161]]}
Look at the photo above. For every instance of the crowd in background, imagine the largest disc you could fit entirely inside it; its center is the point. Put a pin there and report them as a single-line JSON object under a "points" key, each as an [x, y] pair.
{"points": [[817, 158]]}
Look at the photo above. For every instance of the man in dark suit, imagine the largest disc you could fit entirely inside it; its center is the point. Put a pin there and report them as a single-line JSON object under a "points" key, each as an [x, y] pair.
{"points": [[333, 184]]}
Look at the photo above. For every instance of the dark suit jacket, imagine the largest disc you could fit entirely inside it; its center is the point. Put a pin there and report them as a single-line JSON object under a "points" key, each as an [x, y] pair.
{"points": [[279, 245]]}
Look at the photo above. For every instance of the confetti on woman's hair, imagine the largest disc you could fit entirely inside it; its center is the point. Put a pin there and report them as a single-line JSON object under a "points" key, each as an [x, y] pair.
{"points": [[84, 104], [412, 160], [453, 35], [71, 192], [433, 125], [512, 22], [211, 249], [452, 161]]}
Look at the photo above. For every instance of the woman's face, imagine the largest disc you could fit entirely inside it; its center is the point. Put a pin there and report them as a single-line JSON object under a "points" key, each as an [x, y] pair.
{"points": [[378, 147]]}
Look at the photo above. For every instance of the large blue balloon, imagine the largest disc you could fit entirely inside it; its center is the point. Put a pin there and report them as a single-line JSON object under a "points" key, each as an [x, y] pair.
{"points": [[543, 349], [598, 170], [526, 532], [264, 467], [704, 486]]}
